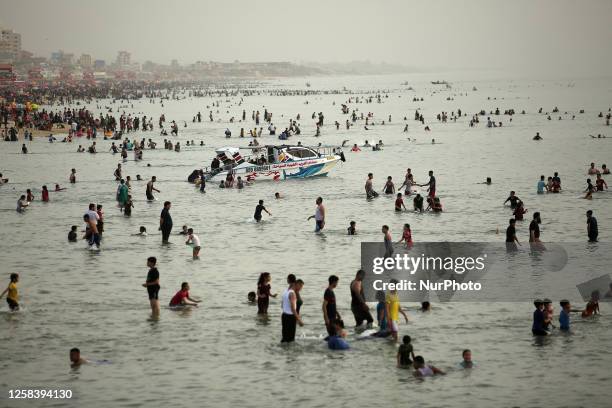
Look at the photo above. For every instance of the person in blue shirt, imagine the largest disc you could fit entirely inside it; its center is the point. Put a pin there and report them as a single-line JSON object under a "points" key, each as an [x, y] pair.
{"points": [[541, 185], [381, 315], [336, 341], [564, 316]]}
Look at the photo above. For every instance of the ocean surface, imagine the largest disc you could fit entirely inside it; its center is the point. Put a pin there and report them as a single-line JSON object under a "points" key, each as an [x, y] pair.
{"points": [[222, 354]]}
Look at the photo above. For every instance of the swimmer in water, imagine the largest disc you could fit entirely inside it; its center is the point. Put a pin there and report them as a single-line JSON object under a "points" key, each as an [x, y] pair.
{"points": [[58, 188], [593, 170], [352, 230], [277, 195], [75, 358], [72, 177], [251, 297], [142, 232], [423, 370], [258, 209], [467, 359], [182, 298]]}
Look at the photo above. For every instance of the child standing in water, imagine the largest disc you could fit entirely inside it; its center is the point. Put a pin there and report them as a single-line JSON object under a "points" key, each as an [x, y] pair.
{"points": [[404, 352], [45, 194], [393, 311], [406, 236], [194, 240], [264, 293], [592, 308], [127, 207], [12, 297]]}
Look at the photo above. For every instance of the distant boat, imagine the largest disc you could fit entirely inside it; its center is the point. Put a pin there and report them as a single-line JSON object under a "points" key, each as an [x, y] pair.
{"points": [[439, 82]]}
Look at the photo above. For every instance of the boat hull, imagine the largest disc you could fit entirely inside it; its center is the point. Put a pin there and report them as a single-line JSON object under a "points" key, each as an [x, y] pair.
{"points": [[281, 171]]}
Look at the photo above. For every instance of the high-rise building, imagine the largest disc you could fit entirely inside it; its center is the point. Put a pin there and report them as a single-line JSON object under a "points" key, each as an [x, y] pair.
{"points": [[85, 60], [123, 58], [10, 45]]}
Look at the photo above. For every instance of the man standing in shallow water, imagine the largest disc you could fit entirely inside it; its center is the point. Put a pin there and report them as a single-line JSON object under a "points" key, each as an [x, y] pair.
{"points": [[319, 215], [165, 222]]}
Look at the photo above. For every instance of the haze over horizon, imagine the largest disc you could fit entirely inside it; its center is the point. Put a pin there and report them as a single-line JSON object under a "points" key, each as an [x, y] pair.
{"points": [[556, 37]]}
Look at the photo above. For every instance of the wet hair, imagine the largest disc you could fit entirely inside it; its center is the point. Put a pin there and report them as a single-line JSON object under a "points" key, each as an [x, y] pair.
{"points": [[75, 350], [425, 306], [190, 230], [352, 223], [74, 227], [299, 282], [184, 285], [14, 277], [291, 278], [465, 351], [261, 202], [512, 221], [152, 259], [167, 203], [590, 212], [251, 295], [419, 359], [385, 227], [333, 279], [406, 339], [143, 229]]}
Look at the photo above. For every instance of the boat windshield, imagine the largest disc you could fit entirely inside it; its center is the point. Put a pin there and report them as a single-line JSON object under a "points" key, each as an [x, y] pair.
{"points": [[301, 152]]}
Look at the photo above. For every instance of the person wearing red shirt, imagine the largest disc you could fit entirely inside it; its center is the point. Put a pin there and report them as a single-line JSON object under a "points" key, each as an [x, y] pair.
{"points": [[181, 298]]}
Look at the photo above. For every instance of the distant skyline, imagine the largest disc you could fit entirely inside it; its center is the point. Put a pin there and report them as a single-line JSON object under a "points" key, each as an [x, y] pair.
{"points": [[560, 37]]}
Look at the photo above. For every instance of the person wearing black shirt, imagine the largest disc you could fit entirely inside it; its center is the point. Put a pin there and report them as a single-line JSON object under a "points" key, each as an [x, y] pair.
{"points": [[152, 285], [511, 233], [330, 313], [258, 209], [165, 222], [534, 228], [592, 230], [514, 200]]}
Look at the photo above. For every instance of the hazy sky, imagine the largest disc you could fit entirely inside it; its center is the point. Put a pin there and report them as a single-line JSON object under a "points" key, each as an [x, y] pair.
{"points": [[560, 36]]}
